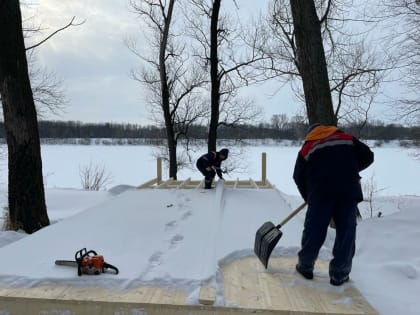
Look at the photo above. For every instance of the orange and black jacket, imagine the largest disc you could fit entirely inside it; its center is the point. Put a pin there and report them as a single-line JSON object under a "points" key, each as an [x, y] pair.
{"points": [[328, 165]]}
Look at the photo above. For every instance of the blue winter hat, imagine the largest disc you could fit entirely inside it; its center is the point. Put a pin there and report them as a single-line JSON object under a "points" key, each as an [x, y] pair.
{"points": [[312, 127]]}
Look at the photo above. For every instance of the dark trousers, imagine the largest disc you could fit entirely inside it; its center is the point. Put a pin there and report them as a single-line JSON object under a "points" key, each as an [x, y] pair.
{"points": [[208, 175], [315, 231]]}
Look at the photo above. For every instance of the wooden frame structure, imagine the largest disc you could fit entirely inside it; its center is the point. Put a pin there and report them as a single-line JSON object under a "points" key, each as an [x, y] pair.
{"points": [[157, 182]]}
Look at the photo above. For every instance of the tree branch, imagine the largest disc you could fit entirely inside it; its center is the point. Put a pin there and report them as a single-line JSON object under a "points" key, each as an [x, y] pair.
{"points": [[327, 11], [56, 32]]}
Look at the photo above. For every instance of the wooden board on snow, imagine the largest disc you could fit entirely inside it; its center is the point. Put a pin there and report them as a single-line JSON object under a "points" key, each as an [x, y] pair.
{"points": [[282, 290]]}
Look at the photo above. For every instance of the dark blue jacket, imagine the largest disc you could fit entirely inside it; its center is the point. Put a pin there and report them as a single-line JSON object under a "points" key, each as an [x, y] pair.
{"points": [[211, 159], [328, 166]]}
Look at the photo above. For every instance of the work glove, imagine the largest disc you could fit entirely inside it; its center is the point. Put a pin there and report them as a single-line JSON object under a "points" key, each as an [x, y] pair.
{"points": [[219, 172]]}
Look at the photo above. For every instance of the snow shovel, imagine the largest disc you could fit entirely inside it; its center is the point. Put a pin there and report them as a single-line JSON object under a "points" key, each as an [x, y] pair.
{"points": [[268, 235]]}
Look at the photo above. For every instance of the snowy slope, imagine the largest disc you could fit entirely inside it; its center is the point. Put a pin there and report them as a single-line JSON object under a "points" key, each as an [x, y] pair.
{"points": [[171, 236]]}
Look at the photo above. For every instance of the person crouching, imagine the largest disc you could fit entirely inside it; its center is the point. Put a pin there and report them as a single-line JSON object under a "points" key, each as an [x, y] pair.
{"points": [[209, 165]]}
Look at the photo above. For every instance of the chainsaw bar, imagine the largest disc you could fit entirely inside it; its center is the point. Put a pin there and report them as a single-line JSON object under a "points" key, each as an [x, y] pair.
{"points": [[70, 263]]}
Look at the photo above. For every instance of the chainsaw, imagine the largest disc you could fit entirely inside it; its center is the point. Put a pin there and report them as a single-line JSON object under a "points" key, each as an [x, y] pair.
{"points": [[88, 263]]}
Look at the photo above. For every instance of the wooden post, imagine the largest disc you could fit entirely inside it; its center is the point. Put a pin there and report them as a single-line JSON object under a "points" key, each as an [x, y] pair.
{"points": [[264, 168], [159, 170]]}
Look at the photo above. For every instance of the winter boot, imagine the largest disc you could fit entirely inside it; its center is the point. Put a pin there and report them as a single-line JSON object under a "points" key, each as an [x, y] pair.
{"points": [[307, 274], [337, 282], [207, 183]]}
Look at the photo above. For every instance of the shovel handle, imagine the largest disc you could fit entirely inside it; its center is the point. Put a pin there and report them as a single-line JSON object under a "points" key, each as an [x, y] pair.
{"points": [[291, 215]]}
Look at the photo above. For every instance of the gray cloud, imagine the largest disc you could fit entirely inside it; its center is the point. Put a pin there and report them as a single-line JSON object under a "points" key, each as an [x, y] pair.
{"points": [[94, 62]]}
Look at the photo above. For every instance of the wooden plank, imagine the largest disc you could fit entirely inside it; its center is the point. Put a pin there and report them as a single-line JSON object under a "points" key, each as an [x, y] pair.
{"points": [[148, 184], [268, 184], [145, 294], [165, 183], [30, 306], [102, 301], [173, 184], [253, 184], [263, 167], [248, 285], [185, 183], [200, 185], [159, 170], [248, 289], [207, 295], [236, 183]]}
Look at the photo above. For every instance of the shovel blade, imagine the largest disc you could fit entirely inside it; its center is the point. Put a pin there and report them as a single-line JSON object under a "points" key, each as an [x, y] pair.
{"points": [[266, 239]]}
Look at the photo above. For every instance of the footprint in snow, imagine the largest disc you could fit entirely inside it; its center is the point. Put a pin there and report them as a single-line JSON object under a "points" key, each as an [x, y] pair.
{"points": [[170, 225], [186, 215], [156, 258], [175, 240], [405, 269], [180, 205]]}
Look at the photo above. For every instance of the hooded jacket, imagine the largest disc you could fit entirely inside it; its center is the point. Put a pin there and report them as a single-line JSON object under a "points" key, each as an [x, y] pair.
{"points": [[213, 160], [328, 165]]}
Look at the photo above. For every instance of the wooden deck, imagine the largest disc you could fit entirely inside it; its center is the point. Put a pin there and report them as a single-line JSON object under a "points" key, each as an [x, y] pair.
{"points": [[158, 182], [197, 184], [282, 291], [248, 289]]}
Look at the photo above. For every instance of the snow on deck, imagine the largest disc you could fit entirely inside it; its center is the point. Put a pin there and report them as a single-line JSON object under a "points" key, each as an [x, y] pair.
{"points": [[175, 240]]}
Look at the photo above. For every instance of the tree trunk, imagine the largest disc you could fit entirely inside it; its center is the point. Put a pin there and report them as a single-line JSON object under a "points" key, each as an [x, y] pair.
{"points": [[170, 134], [27, 209], [214, 77], [311, 62]]}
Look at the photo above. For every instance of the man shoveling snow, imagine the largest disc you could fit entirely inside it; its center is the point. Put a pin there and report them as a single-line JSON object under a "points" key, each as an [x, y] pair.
{"points": [[327, 176]]}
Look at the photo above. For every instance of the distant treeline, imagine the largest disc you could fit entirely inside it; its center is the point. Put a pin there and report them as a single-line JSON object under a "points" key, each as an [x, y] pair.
{"points": [[288, 131]]}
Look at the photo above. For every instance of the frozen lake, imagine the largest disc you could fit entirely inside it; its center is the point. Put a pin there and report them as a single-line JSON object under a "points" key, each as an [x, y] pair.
{"points": [[394, 172]]}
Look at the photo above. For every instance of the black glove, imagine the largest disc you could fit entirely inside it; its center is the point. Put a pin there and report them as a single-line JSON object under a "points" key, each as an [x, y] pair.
{"points": [[219, 172]]}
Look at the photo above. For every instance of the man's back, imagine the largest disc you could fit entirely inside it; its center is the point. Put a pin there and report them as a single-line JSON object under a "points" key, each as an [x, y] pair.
{"points": [[328, 165]]}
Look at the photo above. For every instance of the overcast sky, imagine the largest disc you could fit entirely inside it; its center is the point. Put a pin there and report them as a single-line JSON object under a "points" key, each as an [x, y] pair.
{"points": [[94, 63]]}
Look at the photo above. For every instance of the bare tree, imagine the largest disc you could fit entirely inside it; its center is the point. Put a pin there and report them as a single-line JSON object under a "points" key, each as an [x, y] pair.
{"points": [[47, 89], [223, 50], [27, 209], [401, 19], [169, 74], [52, 34], [354, 70], [311, 62], [279, 121]]}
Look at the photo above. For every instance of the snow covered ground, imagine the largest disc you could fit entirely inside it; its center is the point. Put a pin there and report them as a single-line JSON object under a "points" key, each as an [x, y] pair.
{"points": [[181, 238]]}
